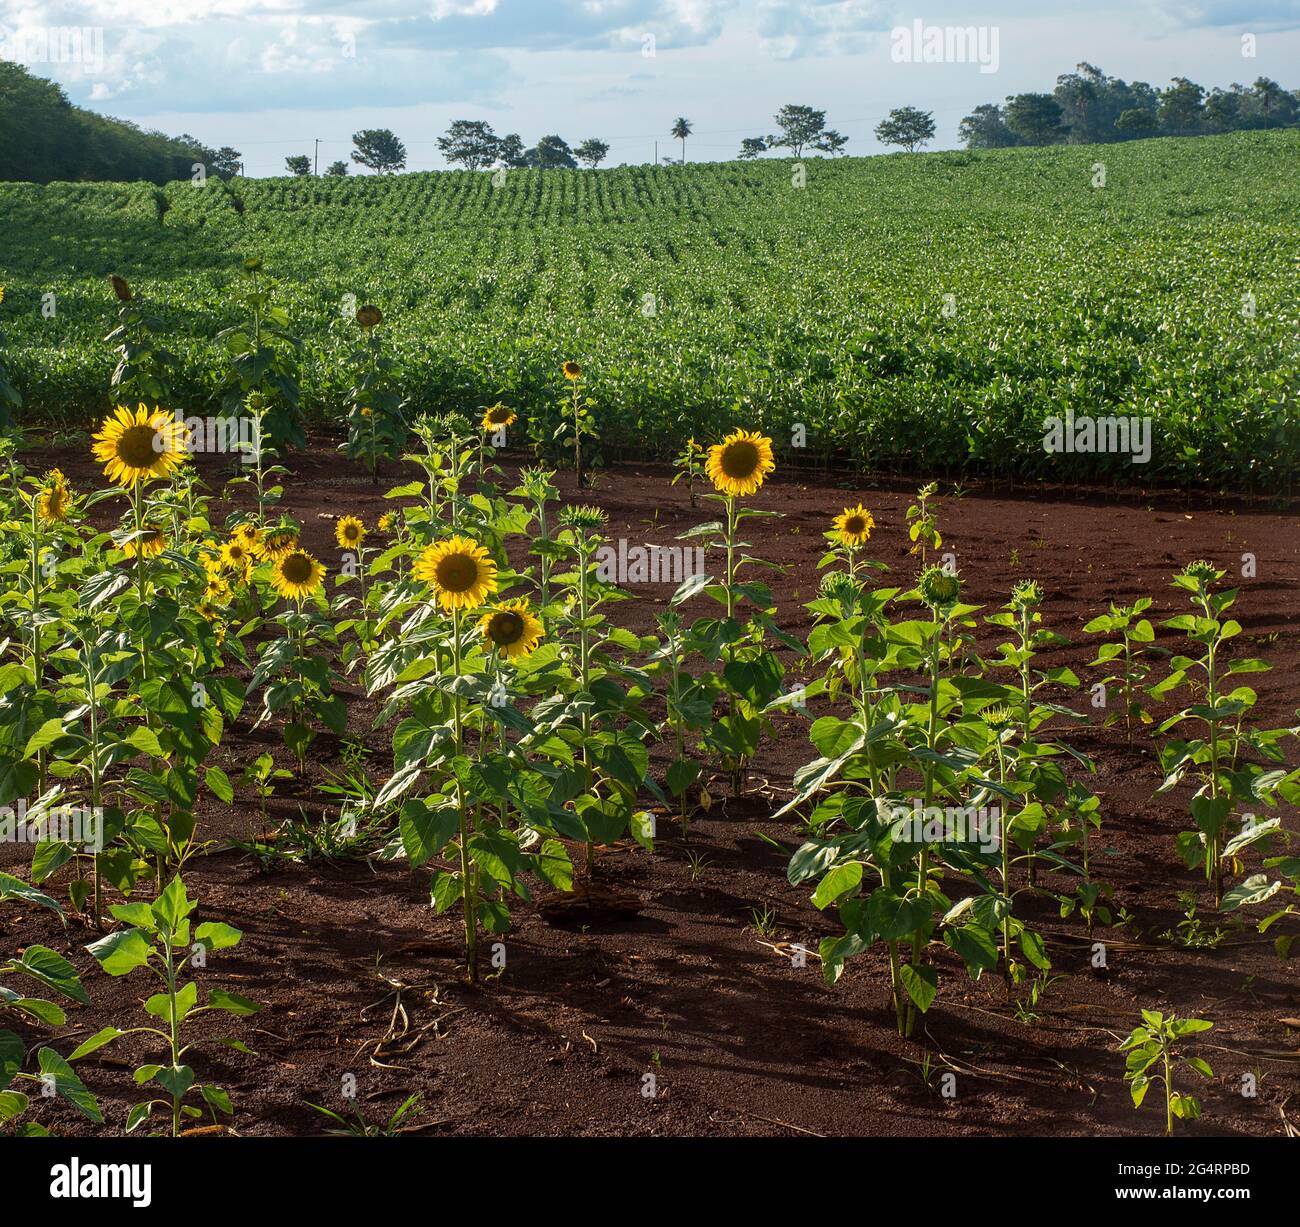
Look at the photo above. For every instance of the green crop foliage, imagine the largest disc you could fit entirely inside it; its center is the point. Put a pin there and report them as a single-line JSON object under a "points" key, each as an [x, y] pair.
{"points": [[698, 295]]}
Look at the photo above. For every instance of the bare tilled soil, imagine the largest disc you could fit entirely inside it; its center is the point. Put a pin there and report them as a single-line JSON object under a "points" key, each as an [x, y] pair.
{"points": [[360, 977]]}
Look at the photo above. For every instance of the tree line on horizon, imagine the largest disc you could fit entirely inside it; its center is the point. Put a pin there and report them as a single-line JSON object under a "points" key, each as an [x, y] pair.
{"points": [[44, 137]]}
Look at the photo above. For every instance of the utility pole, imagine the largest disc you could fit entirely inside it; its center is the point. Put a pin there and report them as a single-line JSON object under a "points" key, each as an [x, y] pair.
{"points": [[316, 171]]}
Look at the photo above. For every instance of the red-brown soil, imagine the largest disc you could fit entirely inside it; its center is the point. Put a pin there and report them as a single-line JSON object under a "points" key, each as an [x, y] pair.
{"points": [[740, 1041]]}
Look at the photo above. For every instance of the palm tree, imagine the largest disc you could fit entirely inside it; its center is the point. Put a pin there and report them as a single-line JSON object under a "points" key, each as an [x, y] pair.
{"points": [[681, 130]]}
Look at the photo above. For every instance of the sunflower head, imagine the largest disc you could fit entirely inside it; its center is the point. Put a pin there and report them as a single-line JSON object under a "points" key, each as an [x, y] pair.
{"points": [[853, 526], [460, 571], [139, 445], [279, 542], [252, 264], [1200, 575], [369, 316], [387, 522], [54, 499], [842, 587], [498, 417], [297, 575], [150, 545], [216, 590], [349, 532], [998, 716], [583, 516], [250, 537], [120, 288], [939, 588], [1026, 595], [511, 629], [572, 372], [739, 464]]}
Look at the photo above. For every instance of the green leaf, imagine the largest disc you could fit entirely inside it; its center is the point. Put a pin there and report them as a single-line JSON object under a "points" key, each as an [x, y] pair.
{"points": [[66, 1083], [96, 1041], [219, 784], [233, 1002], [217, 936], [121, 952], [921, 983]]}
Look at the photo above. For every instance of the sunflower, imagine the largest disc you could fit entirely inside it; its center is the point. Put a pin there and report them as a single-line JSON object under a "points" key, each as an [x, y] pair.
{"points": [[216, 590], [460, 571], [250, 537], [349, 532], [237, 557], [53, 501], [511, 629], [853, 526], [211, 562], [212, 616], [939, 589], [297, 575], [572, 372], [738, 465], [498, 417], [136, 446], [120, 288], [279, 544], [150, 545], [369, 316], [386, 522]]}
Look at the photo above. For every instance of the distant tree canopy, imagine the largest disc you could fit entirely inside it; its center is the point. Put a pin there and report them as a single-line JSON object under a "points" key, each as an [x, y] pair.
{"points": [[299, 164], [1088, 107], [550, 152], [752, 146], [379, 150], [337, 169], [592, 152], [906, 126], [44, 138]]}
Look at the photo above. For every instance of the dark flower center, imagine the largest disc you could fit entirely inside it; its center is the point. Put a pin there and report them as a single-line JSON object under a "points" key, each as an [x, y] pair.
{"points": [[296, 568], [457, 573], [139, 446], [739, 459], [506, 628]]}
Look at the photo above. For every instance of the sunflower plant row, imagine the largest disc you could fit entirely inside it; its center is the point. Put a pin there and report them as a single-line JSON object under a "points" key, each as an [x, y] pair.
{"points": [[943, 803]]}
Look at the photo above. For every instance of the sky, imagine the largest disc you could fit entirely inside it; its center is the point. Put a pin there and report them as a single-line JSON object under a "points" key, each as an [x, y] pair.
{"points": [[269, 77]]}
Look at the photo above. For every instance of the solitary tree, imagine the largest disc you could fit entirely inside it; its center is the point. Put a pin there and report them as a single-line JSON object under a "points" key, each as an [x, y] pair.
{"points": [[337, 169], [906, 126], [379, 150], [591, 152], [470, 143], [681, 130], [299, 164], [752, 146], [799, 126]]}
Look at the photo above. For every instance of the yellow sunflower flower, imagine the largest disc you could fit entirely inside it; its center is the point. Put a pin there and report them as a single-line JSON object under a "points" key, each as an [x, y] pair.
{"points": [[853, 526], [498, 417], [460, 571], [740, 463], [149, 546], [511, 629], [297, 575], [137, 445], [54, 499], [572, 371], [237, 557], [349, 532], [250, 537], [216, 590], [279, 544], [386, 522]]}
